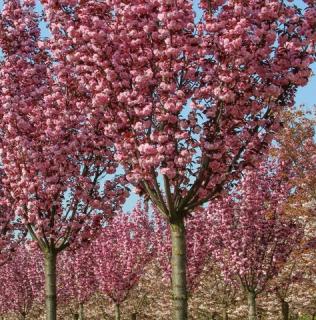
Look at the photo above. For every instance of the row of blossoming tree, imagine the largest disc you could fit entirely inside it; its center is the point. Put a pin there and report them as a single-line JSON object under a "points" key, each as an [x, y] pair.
{"points": [[250, 235], [246, 235], [146, 93]]}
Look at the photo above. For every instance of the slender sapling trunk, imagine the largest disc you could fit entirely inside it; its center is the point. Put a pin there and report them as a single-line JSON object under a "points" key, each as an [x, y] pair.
{"points": [[22, 316], [117, 312], [252, 308], [178, 262], [50, 285], [81, 311], [225, 314], [214, 316], [285, 310]]}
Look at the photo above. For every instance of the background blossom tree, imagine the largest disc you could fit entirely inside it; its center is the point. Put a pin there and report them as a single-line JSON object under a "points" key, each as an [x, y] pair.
{"points": [[251, 238], [121, 253], [76, 278], [55, 169], [295, 145], [21, 282]]}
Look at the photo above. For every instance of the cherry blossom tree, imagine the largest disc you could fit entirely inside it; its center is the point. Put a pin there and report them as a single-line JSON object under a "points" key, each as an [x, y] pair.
{"points": [[188, 104], [121, 253], [213, 297], [21, 282], [295, 285], [76, 278], [296, 146], [251, 240], [303, 297], [55, 167]]}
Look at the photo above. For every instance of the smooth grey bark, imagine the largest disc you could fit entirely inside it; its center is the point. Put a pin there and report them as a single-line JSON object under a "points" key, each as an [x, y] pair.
{"points": [[81, 312], [285, 310], [117, 312], [178, 262], [252, 308], [50, 285]]}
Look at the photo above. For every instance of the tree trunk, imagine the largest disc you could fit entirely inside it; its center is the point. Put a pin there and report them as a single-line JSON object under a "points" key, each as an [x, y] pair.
{"points": [[178, 262], [81, 312], [225, 314], [134, 316], [50, 285], [285, 310], [252, 308], [76, 316], [22, 316], [117, 312], [214, 316]]}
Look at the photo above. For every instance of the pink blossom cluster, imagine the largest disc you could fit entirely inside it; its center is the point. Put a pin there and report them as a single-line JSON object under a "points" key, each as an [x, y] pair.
{"points": [[76, 279], [54, 156], [11, 229], [121, 253], [22, 282], [180, 98]]}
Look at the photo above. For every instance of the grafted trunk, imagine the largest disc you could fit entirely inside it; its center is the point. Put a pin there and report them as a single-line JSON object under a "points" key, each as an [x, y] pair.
{"points": [[285, 310], [252, 308], [117, 312], [178, 261], [50, 285]]}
